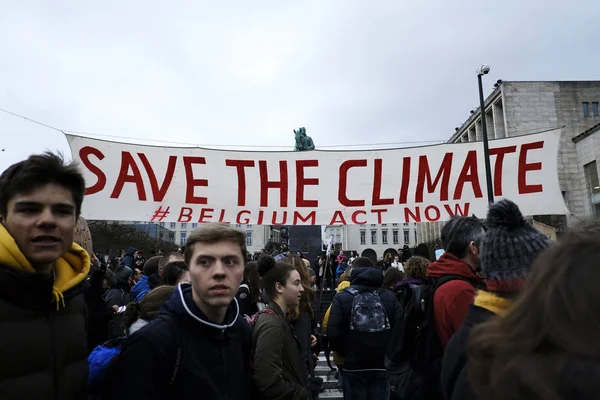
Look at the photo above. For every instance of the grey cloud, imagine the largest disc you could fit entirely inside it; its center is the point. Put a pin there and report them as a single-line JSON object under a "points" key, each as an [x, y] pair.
{"points": [[198, 72]]}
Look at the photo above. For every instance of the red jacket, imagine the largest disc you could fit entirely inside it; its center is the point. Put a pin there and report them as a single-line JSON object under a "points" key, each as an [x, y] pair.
{"points": [[451, 300]]}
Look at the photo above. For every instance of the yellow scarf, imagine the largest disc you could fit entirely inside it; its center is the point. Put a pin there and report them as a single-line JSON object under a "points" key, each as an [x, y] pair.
{"points": [[493, 303], [72, 268]]}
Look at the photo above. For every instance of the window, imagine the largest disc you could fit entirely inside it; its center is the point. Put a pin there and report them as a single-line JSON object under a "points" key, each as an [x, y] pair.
{"points": [[416, 240], [183, 238], [406, 224], [172, 225], [363, 237], [384, 237], [383, 224], [183, 225], [595, 109], [194, 225], [395, 236], [394, 224], [161, 224], [591, 176], [586, 109], [406, 237], [373, 224], [248, 238], [373, 237], [238, 225]]}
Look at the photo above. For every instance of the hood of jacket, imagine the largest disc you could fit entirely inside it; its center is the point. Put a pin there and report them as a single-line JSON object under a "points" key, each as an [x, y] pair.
{"points": [[130, 251], [70, 270], [182, 306], [366, 276], [343, 285], [449, 264]]}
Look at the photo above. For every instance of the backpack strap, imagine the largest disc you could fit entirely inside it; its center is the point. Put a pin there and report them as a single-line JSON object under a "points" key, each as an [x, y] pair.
{"points": [[447, 278], [268, 311]]}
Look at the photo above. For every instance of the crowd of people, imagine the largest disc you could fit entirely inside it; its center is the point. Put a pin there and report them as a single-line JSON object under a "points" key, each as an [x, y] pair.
{"points": [[504, 313]]}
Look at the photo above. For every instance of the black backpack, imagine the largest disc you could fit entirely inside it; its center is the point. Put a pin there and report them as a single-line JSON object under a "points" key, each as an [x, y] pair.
{"points": [[369, 323], [414, 356]]}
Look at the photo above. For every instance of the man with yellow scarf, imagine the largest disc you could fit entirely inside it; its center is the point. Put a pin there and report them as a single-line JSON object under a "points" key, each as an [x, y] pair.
{"points": [[42, 310], [507, 252]]}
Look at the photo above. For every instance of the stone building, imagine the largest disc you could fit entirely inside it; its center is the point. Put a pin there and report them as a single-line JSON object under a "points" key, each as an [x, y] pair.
{"points": [[257, 236], [372, 240], [518, 108]]}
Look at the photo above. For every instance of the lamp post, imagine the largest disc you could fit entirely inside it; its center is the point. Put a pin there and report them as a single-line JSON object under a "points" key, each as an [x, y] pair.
{"points": [[484, 70]]}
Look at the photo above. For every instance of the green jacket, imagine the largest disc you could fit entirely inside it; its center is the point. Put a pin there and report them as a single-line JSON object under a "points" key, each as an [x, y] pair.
{"points": [[278, 372]]}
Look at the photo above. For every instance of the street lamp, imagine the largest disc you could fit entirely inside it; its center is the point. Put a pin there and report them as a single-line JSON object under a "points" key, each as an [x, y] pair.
{"points": [[484, 70]]}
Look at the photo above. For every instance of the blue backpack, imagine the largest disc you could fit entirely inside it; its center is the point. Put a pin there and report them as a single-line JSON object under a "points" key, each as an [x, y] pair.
{"points": [[105, 356], [101, 359]]}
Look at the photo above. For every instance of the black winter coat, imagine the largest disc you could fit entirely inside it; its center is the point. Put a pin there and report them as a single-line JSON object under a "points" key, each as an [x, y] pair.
{"points": [[206, 360], [303, 329], [43, 353], [338, 326], [455, 384]]}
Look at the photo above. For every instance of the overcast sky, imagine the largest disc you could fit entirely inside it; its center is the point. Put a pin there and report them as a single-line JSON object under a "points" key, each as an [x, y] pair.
{"points": [[239, 72]]}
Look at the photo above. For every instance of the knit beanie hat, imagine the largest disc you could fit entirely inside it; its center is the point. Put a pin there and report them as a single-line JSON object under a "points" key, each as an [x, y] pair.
{"points": [[509, 248]]}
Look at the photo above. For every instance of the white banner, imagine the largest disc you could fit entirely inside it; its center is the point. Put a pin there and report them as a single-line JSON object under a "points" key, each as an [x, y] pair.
{"points": [[168, 184]]}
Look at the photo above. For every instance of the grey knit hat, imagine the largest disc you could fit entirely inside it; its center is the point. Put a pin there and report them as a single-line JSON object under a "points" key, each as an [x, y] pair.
{"points": [[509, 248]]}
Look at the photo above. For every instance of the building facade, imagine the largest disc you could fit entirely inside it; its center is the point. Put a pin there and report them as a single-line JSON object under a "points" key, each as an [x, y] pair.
{"points": [[372, 240], [257, 236], [519, 108]]}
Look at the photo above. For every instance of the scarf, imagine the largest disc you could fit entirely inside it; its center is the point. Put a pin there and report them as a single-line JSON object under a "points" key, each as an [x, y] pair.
{"points": [[493, 303], [71, 269]]}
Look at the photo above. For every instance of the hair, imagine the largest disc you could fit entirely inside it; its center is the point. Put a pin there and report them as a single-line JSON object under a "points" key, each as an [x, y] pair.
{"points": [[459, 232], [113, 263], [122, 275], [416, 267], [345, 276], [154, 281], [165, 259], [253, 278], [553, 324], [151, 265], [391, 277], [37, 171], [308, 293], [422, 250], [172, 272], [215, 232], [110, 277], [273, 272], [148, 307], [362, 262]]}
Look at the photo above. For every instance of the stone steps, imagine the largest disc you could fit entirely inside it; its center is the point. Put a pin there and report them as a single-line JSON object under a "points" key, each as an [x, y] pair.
{"points": [[330, 381]]}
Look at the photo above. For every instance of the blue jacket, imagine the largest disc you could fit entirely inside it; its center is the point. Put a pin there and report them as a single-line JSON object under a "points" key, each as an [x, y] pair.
{"points": [[140, 289], [181, 352], [128, 259]]}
